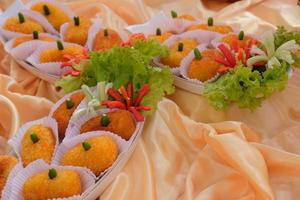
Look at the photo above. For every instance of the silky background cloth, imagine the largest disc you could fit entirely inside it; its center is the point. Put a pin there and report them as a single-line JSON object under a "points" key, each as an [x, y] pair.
{"points": [[187, 149]]}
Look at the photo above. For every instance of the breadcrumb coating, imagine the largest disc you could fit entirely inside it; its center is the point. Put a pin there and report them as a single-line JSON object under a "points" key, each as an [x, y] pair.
{"points": [[27, 38], [40, 187], [42, 149], [223, 29], [121, 123], [102, 43], [175, 57], [63, 115], [13, 24], [55, 55], [78, 34], [6, 165], [57, 17], [101, 155]]}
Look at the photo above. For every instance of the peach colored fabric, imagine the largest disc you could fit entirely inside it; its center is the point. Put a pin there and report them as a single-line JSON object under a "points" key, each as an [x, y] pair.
{"points": [[187, 149]]}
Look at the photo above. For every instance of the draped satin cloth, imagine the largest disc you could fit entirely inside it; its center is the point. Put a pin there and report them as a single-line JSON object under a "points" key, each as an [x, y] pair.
{"points": [[187, 149]]}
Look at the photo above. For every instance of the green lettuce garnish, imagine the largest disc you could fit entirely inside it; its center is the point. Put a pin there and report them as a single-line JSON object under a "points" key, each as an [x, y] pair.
{"points": [[121, 65], [282, 36], [245, 87]]}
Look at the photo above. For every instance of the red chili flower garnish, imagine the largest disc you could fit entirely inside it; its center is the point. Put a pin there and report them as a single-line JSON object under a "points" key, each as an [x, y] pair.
{"points": [[123, 99], [71, 60], [232, 56], [229, 56], [114, 94], [113, 104]]}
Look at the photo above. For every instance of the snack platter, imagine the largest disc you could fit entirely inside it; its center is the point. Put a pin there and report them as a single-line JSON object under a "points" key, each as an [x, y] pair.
{"points": [[114, 80]]}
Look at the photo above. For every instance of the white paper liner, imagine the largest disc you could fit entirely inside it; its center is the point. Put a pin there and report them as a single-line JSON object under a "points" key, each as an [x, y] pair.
{"points": [[58, 4], [16, 140], [185, 63], [217, 41], [201, 36], [33, 15], [164, 22], [86, 176], [66, 145], [24, 50], [49, 67], [62, 100], [74, 129], [9, 182]]}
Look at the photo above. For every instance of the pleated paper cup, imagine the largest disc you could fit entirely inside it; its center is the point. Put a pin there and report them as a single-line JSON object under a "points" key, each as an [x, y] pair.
{"points": [[66, 145], [9, 186], [164, 22], [53, 68], [87, 178], [57, 4], [24, 50], [33, 15], [16, 140], [201, 36]]}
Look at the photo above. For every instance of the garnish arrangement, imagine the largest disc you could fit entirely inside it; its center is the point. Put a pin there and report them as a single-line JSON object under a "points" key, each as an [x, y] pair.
{"points": [[227, 65]]}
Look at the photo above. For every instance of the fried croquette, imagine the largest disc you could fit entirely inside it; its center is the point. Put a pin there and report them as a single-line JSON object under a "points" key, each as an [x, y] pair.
{"points": [[27, 38], [106, 39], [159, 36], [22, 24], [97, 154], [7, 163], [204, 67], [187, 17], [177, 53], [46, 185], [241, 40], [37, 143], [120, 122], [56, 54], [223, 29], [77, 32], [54, 15], [64, 112]]}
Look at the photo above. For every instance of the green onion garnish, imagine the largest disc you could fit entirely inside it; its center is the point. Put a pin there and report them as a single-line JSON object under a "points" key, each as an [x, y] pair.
{"points": [[46, 10], [241, 35], [34, 138], [86, 146], [104, 120], [105, 32], [158, 32], [180, 46], [197, 54], [210, 21], [52, 173], [76, 21], [21, 18], [69, 103], [173, 14], [60, 45], [35, 35]]}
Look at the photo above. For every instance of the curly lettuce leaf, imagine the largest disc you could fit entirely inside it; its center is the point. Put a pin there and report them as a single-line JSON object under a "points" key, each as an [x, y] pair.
{"points": [[150, 49], [246, 88], [161, 83], [121, 65], [282, 36], [70, 83]]}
